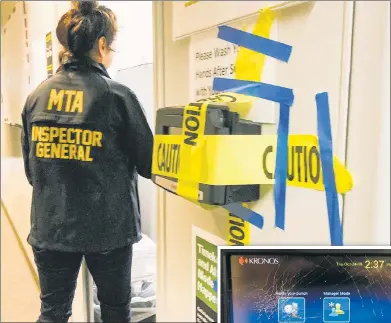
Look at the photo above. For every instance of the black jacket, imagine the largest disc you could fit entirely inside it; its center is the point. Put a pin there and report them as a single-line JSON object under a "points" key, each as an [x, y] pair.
{"points": [[85, 138]]}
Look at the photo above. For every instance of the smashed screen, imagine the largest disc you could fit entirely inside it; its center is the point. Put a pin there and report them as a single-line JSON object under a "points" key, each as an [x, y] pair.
{"points": [[312, 289]]}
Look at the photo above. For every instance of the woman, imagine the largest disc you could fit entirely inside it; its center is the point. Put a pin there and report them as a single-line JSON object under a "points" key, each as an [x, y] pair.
{"points": [[85, 138]]}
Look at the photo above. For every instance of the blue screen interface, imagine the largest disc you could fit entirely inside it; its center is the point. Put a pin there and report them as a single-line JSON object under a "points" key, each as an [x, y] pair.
{"points": [[311, 289]]}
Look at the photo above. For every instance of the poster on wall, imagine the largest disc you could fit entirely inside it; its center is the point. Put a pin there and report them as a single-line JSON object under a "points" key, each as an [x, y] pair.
{"points": [[49, 54], [212, 57], [205, 252]]}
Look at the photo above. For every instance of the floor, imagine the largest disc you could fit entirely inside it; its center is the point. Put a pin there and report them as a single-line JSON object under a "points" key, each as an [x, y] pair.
{"points": [[19, 289], [19, 292]]}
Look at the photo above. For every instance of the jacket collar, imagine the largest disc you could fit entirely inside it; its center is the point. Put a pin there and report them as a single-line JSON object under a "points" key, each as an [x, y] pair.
{"points": [[85, 63]]}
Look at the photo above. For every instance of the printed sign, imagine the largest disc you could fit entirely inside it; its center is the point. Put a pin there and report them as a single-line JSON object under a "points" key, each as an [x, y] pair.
{"points": [[205, 251], [206, 281], [211, 57], [49, 54]]}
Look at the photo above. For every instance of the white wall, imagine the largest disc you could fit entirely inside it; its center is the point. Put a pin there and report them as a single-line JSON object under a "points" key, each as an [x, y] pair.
{"points": [[14, 75], [140, 80], [19, 75], [320, 62], [367, 209], [382, 193], [134, 39], [38, 28]]}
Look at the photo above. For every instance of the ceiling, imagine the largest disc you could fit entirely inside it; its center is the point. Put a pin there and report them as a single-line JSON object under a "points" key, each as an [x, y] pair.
{"points": [[6, 9]]}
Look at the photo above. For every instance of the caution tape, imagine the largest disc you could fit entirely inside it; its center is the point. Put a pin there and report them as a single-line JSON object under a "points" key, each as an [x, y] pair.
{"points": [[236, 102], [245, 160], [238, 230], [193, 129], [270, 92], [249, 66], [190, 3]]}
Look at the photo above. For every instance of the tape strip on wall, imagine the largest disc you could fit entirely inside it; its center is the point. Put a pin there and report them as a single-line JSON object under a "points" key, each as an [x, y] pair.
{"points": [[238, 230], [326, 155], [285, 97], [248, 66], [256, 43], [246, 214], [269, 92], [281, 166], [261, 90]]}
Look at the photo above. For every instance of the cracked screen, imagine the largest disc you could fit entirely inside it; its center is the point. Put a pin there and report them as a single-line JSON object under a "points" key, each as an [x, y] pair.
{"points": [[311, 289]]}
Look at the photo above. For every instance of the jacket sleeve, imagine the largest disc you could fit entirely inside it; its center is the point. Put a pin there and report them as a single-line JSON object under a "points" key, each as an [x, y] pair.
{"points": [[26, 143], [139, 133]]}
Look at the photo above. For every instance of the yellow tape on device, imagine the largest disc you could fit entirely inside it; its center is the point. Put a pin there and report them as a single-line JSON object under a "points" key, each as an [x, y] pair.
{"points": [[236, 102], [193, 129], [245, 160]]}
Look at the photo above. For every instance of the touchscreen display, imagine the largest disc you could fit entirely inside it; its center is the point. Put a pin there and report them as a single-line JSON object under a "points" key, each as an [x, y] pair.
{"points": [[315, 288]]}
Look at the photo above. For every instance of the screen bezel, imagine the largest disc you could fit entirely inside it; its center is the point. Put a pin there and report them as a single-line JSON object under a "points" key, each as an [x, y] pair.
{"points": [[225, 266]]}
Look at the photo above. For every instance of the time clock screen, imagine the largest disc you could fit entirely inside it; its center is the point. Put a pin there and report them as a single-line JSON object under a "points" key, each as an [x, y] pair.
{"points": [[311, 289]]}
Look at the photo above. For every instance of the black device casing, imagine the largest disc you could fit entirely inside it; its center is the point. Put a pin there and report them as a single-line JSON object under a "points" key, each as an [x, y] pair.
{"points": [[219, 121]]}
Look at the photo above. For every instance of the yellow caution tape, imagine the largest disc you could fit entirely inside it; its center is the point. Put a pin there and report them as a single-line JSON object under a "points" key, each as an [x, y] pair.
{"points": [[249, 64], [241, 160], [193, 129], [190, 3], [238, 230], [236, 102], [48, 37]]}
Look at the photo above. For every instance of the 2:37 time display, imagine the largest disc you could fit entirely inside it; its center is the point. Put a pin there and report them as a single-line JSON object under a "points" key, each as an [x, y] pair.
{"points": [[375, 264]]}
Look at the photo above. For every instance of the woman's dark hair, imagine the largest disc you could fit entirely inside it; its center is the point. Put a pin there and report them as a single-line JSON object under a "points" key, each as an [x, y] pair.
{"points": [[79, 28]]}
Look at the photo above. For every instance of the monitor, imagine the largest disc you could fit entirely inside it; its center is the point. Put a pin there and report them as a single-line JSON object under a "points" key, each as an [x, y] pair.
{"points": [[312, 286]]}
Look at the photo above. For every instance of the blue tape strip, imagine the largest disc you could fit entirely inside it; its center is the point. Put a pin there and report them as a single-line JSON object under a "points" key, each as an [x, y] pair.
{"points": [[256, 43], [281, 166], [245, 214], [285, 97], [261, 90], [215, 286], [326, 157]]}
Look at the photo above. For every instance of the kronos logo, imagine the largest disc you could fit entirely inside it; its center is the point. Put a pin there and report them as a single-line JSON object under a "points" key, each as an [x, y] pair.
{"points": [[259, 261]]}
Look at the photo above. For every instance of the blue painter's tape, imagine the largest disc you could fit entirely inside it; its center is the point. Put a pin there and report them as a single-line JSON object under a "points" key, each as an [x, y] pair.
{"points": [[245, 214], [281, 166], [285, 97], [261, 90], [256, 43], [326, 157], [215, 286]]}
